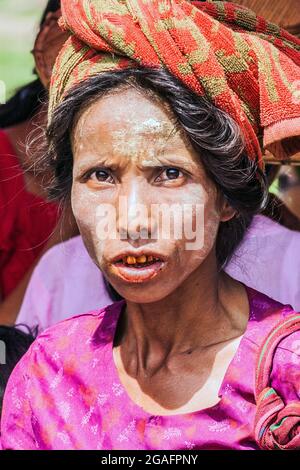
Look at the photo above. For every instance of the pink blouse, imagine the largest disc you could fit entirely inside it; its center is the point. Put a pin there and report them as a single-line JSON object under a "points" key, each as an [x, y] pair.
{"points": [[65, 393]]}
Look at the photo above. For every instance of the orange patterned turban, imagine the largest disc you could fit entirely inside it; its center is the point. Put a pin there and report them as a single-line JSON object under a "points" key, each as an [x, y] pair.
{"points": [[246, 66]]}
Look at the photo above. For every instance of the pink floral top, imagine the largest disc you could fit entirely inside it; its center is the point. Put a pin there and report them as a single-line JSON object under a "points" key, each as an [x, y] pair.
{"points": [[65, 393]]}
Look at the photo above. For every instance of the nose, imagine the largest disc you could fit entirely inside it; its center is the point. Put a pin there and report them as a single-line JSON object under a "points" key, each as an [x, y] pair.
{"points": [[134, 217]]}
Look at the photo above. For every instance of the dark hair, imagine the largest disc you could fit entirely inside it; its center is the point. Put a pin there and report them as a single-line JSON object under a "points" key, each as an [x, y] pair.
{"points": [[16, 342], [23, 105], [213, 134], [52, 6], [28, 98]]}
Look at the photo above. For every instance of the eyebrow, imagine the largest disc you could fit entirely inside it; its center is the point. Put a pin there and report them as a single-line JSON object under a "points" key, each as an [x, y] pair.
{"points": [[158, 161], [172, 161], [96, 160]]}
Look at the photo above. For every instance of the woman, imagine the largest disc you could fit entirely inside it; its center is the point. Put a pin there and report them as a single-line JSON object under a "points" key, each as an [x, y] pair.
{"points": [[164, 368]]}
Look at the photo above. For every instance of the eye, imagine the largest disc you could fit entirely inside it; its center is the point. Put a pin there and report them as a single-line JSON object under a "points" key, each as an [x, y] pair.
{"points": [[170, 173], [100, 176]]}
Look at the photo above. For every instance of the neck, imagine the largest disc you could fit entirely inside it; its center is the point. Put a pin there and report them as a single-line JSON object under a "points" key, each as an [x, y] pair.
{"points": [[208, 308]]}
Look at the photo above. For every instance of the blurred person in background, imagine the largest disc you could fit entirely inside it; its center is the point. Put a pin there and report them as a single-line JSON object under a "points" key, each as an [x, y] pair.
{"points": [[289, 190], [29, 223]]}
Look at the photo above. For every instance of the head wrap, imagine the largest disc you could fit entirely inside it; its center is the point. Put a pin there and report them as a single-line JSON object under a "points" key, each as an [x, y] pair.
{"points": [[246, 66]]}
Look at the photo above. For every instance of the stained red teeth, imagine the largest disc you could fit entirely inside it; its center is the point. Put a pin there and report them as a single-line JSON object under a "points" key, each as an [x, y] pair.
{"points": [[142, 259]]}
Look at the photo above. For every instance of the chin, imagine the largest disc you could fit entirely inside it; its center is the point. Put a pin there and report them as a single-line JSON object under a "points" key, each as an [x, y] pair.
{"points": [[141, 293]]}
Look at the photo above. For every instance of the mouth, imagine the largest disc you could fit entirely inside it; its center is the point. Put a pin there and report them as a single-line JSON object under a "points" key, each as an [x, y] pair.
{"points": [[139, 268]]}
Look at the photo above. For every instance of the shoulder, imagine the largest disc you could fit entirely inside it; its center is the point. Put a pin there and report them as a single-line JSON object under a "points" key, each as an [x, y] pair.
{"points": [[274, 318], [265, 314], [81, 326], [73, 337], [266, 311], [66, 348]]}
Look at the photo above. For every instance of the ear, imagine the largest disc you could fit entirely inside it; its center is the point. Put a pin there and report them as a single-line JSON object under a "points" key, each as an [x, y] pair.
{"points": [[227, 212]]}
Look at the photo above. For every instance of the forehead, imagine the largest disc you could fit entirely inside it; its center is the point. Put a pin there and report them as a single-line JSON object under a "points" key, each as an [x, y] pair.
{"points": [[127, 127], [130, 116]]}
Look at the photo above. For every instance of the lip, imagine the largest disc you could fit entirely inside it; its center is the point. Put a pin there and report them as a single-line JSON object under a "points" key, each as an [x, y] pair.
{"points": [[135, 275]]}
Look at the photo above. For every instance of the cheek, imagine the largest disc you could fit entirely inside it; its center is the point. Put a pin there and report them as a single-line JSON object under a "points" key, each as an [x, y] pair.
{"points": [[83, 210], [84, 206], [204, 222], [212, 218], [203, 213]]}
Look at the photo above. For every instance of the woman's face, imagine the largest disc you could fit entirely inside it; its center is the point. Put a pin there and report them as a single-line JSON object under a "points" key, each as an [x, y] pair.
{"points": [[146, 209]]}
